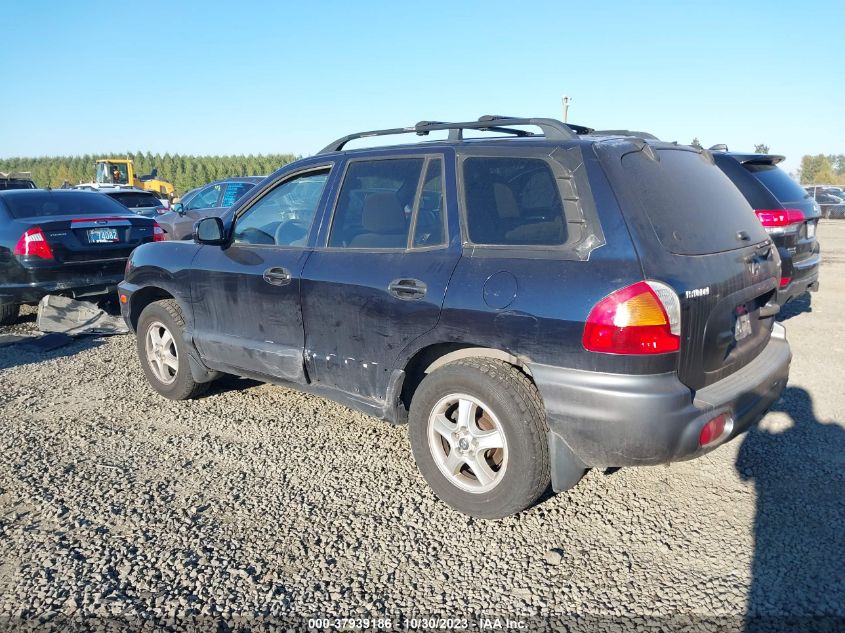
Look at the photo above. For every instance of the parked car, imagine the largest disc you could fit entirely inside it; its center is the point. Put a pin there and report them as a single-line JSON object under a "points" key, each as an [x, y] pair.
{"points": [[138, 201], [788, 213], [16, 180], [66, 242], [532, 306], [212, 199]]}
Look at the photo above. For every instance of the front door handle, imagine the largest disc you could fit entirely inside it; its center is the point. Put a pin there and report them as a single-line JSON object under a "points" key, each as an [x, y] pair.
{"points": [[277, 276], [407, 289]]}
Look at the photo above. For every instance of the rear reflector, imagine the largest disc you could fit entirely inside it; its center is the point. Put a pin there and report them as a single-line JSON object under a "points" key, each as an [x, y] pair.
{"points": [[644, 318], [784, 281], [33, 244], [778, 221], [158, 233], [715, 430]]}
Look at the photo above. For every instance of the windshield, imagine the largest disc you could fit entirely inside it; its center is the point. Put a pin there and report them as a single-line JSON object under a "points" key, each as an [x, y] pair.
{"points": [[39, 204], [112, 173]]}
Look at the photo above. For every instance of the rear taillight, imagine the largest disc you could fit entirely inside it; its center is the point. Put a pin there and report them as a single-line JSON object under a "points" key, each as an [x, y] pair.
{"points": [[780, 221], [34, 244], [161, 210], [784, 281], [644, 318], [715, 430], [158, 233]]}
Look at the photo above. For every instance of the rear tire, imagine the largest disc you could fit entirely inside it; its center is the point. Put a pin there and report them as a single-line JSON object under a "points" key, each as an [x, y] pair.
{"points": [[479, 435], [9, 313], [164, 353]]}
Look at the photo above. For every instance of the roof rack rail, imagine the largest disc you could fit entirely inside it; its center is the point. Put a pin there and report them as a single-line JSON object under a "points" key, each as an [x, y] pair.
{"points": [[643, 135], [552, 129], [580, 129]]}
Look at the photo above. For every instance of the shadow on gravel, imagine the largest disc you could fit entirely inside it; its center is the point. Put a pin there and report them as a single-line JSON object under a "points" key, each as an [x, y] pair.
{"points": [[797, 306], [228, 383], [23, 354], [799, 475]]}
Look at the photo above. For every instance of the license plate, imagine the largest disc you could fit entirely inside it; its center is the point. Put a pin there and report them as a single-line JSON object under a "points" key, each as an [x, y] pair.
{"points": [[742, 328], [811, 230], [102, 236]]}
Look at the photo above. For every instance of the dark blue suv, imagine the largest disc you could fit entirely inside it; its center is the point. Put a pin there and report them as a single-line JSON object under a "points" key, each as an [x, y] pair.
{"points": [[533, 304]]}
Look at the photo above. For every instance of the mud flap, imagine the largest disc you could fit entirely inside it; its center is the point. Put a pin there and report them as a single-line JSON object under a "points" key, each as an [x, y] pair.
{"points": [[70, 316]]}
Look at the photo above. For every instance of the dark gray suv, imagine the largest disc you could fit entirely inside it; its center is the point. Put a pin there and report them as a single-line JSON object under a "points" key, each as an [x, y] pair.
{"points": [[531, 304]]}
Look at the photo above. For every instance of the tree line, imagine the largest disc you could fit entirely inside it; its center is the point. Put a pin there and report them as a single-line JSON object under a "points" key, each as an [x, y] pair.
{"points": [[184, 171], [823, 169]]}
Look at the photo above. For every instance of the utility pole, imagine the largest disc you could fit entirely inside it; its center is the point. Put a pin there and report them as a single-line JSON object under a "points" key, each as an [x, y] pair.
{"points": [[566, 102]]}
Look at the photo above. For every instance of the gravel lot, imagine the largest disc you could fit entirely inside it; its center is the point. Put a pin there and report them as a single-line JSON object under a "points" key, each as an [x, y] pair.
{"points": [[260, 506]]}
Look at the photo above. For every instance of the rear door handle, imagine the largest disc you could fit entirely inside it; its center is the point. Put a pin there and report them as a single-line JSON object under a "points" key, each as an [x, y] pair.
{"points": [[277, 276], [407, 289]]}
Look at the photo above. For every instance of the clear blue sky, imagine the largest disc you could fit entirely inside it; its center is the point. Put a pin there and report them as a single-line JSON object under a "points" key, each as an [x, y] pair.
{"points": [[247, 77]]}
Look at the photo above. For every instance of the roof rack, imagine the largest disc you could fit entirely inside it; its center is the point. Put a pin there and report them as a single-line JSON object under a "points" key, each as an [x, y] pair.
{"points": [[552, 129]]}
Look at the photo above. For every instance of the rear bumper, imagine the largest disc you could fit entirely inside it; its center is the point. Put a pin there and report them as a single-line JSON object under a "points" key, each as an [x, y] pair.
{"points": [[627, 420], [76, 287]]}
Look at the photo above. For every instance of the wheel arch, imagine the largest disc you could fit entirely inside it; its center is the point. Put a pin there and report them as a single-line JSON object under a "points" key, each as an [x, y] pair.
{"points": [[142, 298], [436, 355]]}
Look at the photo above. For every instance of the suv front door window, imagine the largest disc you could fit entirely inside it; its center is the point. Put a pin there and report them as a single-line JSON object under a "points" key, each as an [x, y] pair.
{"points": [[205, 199], [246, 294]]}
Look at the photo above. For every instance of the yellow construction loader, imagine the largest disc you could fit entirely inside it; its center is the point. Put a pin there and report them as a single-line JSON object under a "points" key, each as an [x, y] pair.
{"points": [[120, 172]]}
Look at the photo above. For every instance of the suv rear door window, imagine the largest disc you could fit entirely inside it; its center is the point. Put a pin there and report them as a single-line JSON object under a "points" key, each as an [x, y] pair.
{"points": [[693, 207], [429, 229], [375, 204], [513, 201]]}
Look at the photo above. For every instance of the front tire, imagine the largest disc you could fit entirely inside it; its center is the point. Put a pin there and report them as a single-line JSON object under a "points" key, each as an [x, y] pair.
{"points": [[479, 436], [164, 353]]}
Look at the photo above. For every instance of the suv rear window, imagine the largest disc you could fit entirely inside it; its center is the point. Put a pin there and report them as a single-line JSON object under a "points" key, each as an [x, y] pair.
{"points": [[136, 200], [49, 203], [778, 182], [513, 201], [16, 183], [693, 207]]}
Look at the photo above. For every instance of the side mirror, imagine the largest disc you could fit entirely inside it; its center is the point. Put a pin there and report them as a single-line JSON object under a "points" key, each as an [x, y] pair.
{"points": [[178, 208], [209, 231]]}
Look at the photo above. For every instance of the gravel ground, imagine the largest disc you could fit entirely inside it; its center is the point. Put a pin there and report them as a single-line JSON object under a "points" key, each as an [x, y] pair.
{"points": [[257, 506]]}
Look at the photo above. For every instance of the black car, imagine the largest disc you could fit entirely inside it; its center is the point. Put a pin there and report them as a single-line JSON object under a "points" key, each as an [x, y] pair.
{"points": [[788, 213], [137, 200], [533, 305], [66, 242]]}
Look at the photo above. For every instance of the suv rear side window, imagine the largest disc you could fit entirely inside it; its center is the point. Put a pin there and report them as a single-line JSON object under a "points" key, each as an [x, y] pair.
{"points": [[693, 207], [778, 182], [205, 199], [513, 201], [375, 204]]}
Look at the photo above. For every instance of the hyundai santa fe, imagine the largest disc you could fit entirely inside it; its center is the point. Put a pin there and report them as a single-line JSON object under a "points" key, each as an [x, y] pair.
{"points": [[530, 302]]}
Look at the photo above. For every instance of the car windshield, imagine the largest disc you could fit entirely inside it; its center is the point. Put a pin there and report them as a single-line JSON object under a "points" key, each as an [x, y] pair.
{"points": [[112, 173], [135, 200], [39, 204], [16, 183]]}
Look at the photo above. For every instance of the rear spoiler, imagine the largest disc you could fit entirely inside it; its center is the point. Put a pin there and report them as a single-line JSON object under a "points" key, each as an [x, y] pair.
{"points": [[751, 159], [763, 159]]}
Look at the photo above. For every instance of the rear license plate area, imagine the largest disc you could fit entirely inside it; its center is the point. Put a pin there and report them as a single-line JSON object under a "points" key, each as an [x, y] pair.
{"points": [[811, 230], [103, 236]]}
